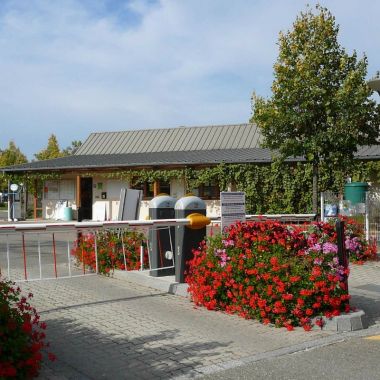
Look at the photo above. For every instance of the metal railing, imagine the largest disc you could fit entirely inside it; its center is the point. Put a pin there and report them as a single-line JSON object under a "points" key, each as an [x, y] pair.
{"points": [[42, 251]]}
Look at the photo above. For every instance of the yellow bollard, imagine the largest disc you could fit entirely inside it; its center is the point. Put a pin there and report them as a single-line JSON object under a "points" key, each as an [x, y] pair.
{"points": [[198, 221]]}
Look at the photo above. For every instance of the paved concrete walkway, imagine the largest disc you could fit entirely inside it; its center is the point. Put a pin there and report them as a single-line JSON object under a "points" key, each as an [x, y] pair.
{"points": [[105, 328], [3, 215]]}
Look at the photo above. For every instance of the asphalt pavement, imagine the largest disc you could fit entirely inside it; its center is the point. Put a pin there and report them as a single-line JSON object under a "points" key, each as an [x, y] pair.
{"points": [[112, 328], [106, 328], [354, 357]]}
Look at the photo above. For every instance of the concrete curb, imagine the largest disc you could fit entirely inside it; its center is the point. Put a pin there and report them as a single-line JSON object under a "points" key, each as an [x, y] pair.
{"points": [[165, 283], [352, 321]]}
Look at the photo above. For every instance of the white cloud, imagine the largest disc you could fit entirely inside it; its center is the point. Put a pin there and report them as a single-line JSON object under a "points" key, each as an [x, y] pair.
{"points": [[73, 67]]}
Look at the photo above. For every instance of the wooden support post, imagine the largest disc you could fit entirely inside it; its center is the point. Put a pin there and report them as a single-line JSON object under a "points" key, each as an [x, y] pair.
{"points": [[156, 188], [78, 193]]}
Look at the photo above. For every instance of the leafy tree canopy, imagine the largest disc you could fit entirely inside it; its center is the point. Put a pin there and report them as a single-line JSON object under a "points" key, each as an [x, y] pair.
{"points": [[51, 151], [8, 157], [12, 156], [320, 106]]}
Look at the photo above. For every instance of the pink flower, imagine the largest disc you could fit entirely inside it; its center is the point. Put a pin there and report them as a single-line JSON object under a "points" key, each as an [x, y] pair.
{"points": [[352, 244], [330, 248], [228, 243], [318, 261]]}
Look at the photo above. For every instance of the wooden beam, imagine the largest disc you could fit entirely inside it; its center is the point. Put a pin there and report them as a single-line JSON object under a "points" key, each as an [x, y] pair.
{"points": [[156, 188], [78, 193]]}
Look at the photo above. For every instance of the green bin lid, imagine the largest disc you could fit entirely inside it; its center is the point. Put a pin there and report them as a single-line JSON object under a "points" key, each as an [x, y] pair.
{"points": [[356, 184]]}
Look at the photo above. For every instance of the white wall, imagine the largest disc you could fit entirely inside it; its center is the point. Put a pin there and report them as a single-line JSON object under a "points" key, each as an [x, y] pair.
{"points": [[144, 210], [108, 208], [110, 188]]}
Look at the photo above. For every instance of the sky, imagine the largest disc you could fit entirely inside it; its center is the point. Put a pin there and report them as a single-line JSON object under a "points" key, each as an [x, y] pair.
{"points": [[72, 67]]}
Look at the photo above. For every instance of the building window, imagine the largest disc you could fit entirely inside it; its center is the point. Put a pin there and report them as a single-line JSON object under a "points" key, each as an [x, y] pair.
{"points": [[164, 188], [152, 189], [51, 190], [59, 190], [208, 190], [146, 188]]}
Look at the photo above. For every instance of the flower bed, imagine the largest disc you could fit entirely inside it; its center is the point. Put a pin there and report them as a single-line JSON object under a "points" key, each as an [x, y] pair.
{"points": [[22, 337], [358, 248], [111, 255], [274, 273]]}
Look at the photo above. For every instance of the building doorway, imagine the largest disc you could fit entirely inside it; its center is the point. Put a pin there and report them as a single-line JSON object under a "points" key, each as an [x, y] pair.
{"points": [[85, 210]]}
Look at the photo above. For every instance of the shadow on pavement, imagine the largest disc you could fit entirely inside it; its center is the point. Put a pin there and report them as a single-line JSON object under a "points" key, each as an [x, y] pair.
{"points": [[88, 353], [370, 306], [113, 300]]}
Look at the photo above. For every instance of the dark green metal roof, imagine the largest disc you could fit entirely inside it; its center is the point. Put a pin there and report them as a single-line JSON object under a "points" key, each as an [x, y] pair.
{"points": [[128, 160]]}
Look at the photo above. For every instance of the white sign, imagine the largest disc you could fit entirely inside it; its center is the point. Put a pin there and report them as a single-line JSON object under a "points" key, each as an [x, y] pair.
{"points": [[100, 211], [232, 207]]}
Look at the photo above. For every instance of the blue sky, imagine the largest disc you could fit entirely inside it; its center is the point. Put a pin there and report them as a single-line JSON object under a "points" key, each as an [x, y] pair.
{"points": [[72, 67]]}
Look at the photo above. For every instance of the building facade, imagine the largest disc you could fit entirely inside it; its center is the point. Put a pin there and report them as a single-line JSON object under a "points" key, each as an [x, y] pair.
{"points": [[90, 180]]}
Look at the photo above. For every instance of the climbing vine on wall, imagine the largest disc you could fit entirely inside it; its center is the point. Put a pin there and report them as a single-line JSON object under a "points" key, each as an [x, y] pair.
{"points": [[29, 180], [270, 188]]}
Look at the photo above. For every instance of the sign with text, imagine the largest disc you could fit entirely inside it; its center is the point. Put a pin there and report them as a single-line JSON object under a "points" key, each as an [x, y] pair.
{"points": [[232, 205]]}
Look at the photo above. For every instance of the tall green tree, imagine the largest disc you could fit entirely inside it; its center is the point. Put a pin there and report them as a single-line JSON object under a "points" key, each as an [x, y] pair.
{"points": [[320, 106], [52, 150], [12, 155], [8, 157]]}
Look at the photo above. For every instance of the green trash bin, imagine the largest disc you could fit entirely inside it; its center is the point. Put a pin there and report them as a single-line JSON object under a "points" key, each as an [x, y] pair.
{"points": [[355, 192], [67, 214]]}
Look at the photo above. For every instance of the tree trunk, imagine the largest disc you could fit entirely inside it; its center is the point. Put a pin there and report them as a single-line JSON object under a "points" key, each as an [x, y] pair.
{"points": [[315, 187]]}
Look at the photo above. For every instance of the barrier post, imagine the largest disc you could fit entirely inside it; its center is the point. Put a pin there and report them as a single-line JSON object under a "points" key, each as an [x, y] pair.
{"points": [[142, 256], [342, 252], [188, 238], [161, 239]]}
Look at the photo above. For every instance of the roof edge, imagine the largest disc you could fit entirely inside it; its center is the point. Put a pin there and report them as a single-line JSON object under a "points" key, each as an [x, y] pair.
{"points": [[171, 128]]}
